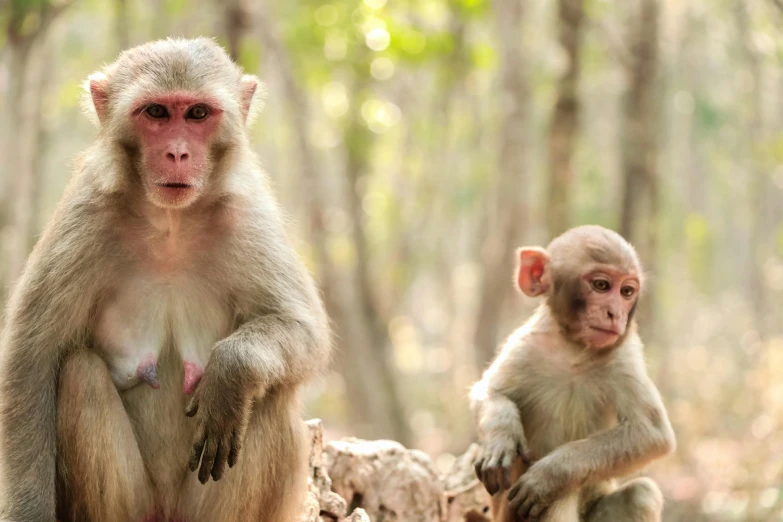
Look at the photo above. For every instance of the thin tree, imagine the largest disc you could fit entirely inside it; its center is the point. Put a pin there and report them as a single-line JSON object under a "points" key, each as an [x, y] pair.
{"points": [[361, 333], [506, 206], [27, 27], [565, 118], [639, 144], [758, 175]]}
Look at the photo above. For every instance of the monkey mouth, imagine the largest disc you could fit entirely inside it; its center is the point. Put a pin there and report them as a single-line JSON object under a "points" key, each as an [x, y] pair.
{"points": [[174, 185], [605, 331]]}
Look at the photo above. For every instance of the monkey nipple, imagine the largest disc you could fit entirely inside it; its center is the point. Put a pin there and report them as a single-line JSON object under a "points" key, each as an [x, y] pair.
{"points": [[148, 372], [193, 373]]}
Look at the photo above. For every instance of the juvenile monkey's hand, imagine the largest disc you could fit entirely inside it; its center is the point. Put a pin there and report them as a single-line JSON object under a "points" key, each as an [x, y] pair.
{"points": [[493, 467], [536, 489], [221, 405]]}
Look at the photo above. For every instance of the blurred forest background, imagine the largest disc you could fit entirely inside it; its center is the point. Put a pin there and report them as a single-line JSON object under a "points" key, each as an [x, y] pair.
{"points": [[416, 143]]}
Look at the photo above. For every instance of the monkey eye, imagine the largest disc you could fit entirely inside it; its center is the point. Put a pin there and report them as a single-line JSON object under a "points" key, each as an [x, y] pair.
{"points": [[157, 111], [600, 285], [197, 112], [627, 291]]}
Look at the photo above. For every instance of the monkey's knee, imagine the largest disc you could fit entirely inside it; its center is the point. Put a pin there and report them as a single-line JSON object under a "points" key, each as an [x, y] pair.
{"points": [[639, 500], [645, 498], [83, 371]]}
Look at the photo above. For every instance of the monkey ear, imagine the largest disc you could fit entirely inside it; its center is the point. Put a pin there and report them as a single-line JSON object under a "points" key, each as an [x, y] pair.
{"points": [[252, 93], [95, 100], [533, 270]]}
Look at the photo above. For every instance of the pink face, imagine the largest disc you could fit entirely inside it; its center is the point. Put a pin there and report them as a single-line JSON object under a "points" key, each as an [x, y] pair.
{"points": [[175, 131], [609, 298]]}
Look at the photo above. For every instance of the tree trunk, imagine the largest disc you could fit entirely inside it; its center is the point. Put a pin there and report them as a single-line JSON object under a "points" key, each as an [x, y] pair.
{"points": [[369, 319], [639, 149], [18, 160], [758, 175], [236, 23], [507, 209], [565, 119], [362, 353], [24, 108]]}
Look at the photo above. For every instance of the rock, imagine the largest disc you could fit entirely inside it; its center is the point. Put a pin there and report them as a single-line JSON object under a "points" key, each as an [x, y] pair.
{"points": [[386, 482], [390, 482], [358, 515], [321, 504]]}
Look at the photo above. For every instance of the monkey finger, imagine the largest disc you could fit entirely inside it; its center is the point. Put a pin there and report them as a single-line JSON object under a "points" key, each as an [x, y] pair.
{"points": [[192, 407], [524, 510], [524, 453], [198, 446], [233, 452], [505, 479], [536, 511], [220, 461], [477, 469], [207, 460], [491, 477]]}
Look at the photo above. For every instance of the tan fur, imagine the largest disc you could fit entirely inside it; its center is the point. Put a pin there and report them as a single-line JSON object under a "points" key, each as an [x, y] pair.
{"points": [[217, 281], [580, 417]]}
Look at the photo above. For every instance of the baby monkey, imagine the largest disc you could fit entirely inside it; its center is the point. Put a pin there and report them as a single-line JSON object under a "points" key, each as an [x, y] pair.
{"points": [[567, 406]]}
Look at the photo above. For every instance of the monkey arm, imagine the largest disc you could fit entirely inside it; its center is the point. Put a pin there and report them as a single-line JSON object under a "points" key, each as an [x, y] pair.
{"points": [[642, 435], [499, 425], [274, 349], [47, 313], [283, 337]]}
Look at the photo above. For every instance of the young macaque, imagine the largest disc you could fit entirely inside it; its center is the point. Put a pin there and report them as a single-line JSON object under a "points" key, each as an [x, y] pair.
{"points": [[163, 323], [567, 406]]}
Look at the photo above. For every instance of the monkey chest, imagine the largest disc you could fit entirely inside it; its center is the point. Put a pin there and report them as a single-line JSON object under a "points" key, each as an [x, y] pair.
{"points": [[144, 314], [564, 408]]}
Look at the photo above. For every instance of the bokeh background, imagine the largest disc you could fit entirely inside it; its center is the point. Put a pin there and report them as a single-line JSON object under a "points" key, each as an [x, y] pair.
{"points": [[416, 143]]}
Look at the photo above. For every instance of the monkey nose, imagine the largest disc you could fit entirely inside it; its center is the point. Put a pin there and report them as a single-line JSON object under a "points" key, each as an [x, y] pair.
{"points": [[177, 157], [177, 152]]}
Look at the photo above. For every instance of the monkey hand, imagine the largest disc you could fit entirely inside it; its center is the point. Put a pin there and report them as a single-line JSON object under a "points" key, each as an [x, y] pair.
{"points": [[221, 406], [537, 489], [493, 467]]}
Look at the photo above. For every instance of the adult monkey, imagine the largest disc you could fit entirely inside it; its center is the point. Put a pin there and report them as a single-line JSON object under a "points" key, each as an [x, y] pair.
{"points": [[166, 260], [567, 405]]}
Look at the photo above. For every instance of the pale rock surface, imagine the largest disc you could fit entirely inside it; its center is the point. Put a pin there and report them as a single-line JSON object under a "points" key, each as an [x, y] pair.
{"points": [[390, 482], [383, 481]]}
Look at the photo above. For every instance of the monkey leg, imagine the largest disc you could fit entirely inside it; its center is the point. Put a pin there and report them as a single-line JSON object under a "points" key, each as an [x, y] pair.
{"points": [[638, 500], [269, 479], [100, 473]]}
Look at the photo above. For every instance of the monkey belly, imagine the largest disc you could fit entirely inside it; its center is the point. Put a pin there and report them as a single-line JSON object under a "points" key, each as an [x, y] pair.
{"points": [[163, 433]]}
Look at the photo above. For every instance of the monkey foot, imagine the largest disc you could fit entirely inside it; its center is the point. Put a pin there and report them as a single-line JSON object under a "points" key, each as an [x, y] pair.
{"points": [[193, 373], [147, 371]]}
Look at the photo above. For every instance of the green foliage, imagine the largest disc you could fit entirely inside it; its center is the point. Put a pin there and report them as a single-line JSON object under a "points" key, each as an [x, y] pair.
{"points": [[707, 115]]}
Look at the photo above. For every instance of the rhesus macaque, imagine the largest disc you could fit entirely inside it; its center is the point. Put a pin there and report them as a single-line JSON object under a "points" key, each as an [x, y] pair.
{"points": [[163, 323], [567, 406]]}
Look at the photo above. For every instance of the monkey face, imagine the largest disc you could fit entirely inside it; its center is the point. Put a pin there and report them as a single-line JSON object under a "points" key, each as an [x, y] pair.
{"points": [[176, 109], [592, 279], [609, 298], [175, 130]]}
